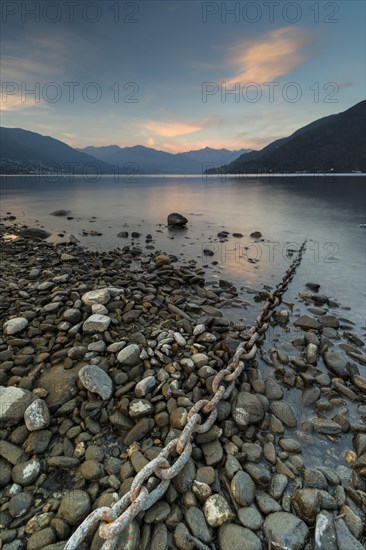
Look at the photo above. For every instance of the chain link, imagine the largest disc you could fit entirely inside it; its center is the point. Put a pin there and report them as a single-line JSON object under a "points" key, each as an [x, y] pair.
{"points": [[113, 520]]}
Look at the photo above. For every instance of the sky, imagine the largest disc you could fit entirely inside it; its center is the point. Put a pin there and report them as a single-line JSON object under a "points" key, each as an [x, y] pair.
{"points": [[178, 75]]}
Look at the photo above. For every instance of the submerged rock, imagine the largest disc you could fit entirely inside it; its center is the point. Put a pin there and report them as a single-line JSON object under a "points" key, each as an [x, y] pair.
{"points": [[177, 220]]}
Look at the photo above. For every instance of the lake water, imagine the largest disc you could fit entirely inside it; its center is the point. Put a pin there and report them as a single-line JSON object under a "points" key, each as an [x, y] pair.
{"points": [[327, 211]]}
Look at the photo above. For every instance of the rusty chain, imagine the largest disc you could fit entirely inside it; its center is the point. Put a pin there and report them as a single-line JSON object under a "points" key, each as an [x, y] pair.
{"points": [[114, 519]]}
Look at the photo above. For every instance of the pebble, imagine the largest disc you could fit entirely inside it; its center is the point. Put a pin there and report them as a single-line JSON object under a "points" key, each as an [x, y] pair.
{"points": [[217, 511], [37, 416], [14, 402], [234, 536], [96, 380], [100, 296], [243, 488], [96, 323], [14, 326], [74, 507], [286, 529], [129, 355]]}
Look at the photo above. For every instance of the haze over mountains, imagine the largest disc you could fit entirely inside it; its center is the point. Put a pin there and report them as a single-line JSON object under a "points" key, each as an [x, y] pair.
{"points": [[334, 143], [152, 161]]}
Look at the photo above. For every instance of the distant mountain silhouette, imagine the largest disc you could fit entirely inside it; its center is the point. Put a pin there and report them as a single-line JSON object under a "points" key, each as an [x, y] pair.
{"points": [[146, 160], [20, 147], [333, 143]]}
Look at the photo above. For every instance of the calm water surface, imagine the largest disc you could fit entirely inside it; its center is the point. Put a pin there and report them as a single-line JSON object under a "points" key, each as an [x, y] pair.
{"points": [[326, 211]]}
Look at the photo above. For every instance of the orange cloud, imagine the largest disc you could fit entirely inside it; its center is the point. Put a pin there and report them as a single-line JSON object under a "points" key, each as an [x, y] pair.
{"points": [[172, 129], [276, 54]]}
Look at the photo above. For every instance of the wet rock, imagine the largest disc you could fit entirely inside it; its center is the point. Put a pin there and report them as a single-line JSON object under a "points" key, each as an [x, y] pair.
{"points": [[325, 535], [336, 363], [278, 485], [247, 409], [129, 356], [96, 380], [284, 412], [329, 321], [325, 426], [162, 259], [33, 233], [286, 529], [242, 488], [345, 539], [313, 286], [256, 235], [307, 323], [353, 522], [14, 402], [122, 234], [177, 220], [217, 511], [234, 536], [306, 503], [96, 323], [14, 326], [37, 416], [60, 212], [75, 506], [267, 504]]}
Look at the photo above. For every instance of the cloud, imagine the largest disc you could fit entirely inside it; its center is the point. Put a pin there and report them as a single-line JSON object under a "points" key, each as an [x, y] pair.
{"points": [[276, 54], [172, 128]]}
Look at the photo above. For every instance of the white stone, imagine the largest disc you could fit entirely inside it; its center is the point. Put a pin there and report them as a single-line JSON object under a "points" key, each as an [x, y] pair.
{"points": [[13, 403], [37, 415], [199, 329], [99, 308], [99, 296], [13, 326], [217, 511], [96, 323]]}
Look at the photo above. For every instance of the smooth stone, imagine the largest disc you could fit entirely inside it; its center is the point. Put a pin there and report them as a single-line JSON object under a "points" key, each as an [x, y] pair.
{"points": [[197, 524], [182, 482], [284, 412], [139, 431], [13, 326], [34, 233], [60, 384], [20, 504], [232, 536], [243, 488], [37, 416], [60, 212], [286, 529], [129, 356], [267, 504], [96, 380], [329, 321], [305, 322], [250, 518], [96, 323], [75, 506], [306, 503], [247, 409], [336, 363], [26, 473], [177, 220], [145, 386]]}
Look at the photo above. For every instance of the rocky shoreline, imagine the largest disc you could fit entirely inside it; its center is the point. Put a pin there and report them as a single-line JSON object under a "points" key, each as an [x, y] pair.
{"points": [[102, 356]]}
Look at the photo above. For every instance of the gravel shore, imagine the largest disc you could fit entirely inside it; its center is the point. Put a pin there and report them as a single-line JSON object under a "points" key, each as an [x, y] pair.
{"points": [[102, 356]]}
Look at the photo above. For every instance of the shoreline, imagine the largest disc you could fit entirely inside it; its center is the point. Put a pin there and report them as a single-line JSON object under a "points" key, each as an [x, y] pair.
{"points": [[298, 450]]}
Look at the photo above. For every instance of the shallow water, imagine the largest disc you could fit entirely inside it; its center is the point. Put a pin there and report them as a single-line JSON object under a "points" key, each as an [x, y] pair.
{"points": [[287, 210]]}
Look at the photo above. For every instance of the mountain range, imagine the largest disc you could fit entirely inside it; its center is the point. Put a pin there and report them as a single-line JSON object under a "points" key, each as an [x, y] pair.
{"points": [[336, 143], [22, 150], [147, 160]]}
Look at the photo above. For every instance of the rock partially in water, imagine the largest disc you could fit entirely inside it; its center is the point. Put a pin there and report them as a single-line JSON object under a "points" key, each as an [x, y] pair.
{"points": [[60, 212], [34, 233], [336, 363], [177, 220], [256, 235]]}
